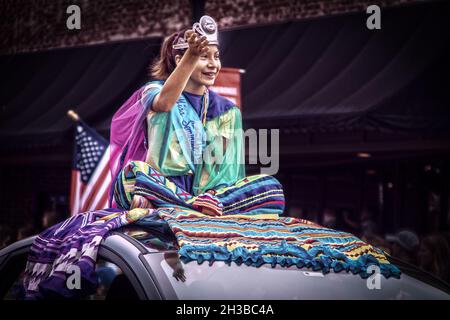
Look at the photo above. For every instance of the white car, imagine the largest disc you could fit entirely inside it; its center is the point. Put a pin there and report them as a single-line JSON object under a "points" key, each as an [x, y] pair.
{"points": [[134, 264]]}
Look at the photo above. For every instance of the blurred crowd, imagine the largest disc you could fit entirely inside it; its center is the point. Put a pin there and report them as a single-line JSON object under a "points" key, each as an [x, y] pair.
{"points": [[429, 252], [10, 233], [232, 13], [42, 24]]}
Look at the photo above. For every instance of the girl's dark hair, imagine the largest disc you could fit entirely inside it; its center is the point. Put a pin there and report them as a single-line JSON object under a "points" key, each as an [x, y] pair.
{"points": [[162, 67]]}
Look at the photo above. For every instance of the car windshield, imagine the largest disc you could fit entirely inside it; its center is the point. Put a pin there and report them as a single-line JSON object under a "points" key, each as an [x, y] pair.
{"points": [[222, 281]]}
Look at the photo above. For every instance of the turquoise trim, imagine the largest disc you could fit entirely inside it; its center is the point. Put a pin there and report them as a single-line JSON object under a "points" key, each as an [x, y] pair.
{"points": [[329, 260]]}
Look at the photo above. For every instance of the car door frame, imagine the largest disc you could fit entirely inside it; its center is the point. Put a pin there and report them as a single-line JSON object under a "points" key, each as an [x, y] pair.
{"points": [[117, 249]]}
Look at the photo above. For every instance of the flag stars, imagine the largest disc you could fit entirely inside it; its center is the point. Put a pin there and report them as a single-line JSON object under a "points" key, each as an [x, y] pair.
{"points": [[88, 154]]}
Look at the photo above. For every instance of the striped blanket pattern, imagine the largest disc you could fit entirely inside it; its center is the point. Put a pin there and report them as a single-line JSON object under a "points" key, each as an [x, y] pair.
{"points": [[72, 243], [286, 241], [247, 229], [251, 195], [253, 240]]}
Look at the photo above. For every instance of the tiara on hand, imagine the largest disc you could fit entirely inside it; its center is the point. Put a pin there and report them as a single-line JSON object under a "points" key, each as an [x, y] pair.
{"points": [[205, 27]]}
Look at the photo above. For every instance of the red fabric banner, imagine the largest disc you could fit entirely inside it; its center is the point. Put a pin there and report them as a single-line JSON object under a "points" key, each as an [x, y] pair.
{"points": [[228, 84]]}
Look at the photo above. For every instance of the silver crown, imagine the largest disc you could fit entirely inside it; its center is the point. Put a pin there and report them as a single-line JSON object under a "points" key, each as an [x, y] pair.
{"points": [[205, 27]]}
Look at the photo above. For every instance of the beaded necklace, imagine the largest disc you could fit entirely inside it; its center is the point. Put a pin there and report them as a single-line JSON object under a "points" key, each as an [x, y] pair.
{"points": [[205, 106]]}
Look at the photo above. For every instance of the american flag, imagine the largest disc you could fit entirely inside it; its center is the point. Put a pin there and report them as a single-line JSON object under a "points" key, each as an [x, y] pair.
{"points": [[91, 178]]}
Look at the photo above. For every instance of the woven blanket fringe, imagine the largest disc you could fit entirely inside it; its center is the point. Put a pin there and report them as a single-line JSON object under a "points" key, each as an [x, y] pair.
{"points": [[317, 258]]}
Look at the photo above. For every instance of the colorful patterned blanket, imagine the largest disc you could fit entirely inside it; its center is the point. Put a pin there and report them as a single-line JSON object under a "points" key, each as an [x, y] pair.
{"points": [[253, 240], [256, 240], [68, 246]]}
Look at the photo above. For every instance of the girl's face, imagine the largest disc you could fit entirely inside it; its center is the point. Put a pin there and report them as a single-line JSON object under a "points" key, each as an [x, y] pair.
{"points": [[207, 69]]}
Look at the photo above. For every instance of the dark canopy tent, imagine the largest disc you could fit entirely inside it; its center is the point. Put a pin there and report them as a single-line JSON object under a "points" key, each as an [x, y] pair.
{"points": [[39, 88], [333, 72], [326, 73]]}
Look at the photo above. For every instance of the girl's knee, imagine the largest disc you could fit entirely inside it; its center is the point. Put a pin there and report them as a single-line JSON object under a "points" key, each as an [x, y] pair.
{"points": [[264, 177]]}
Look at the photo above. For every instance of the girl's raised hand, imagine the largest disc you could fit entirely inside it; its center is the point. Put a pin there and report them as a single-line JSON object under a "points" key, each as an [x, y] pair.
{"points": [[197, 45]]}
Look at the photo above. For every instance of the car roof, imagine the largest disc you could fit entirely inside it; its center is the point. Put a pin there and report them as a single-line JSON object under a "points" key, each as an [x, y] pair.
{"points": [[412, 276], [290, 282]]}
